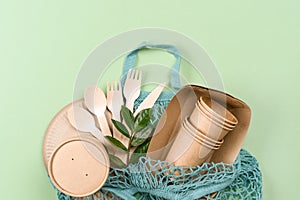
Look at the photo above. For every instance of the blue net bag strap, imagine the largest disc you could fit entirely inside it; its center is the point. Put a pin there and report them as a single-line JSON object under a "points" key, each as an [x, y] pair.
{"points": [[131, 60]]}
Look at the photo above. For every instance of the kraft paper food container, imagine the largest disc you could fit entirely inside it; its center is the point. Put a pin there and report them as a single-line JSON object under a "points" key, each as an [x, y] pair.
{"points": [[182, 105], [79, 167]]}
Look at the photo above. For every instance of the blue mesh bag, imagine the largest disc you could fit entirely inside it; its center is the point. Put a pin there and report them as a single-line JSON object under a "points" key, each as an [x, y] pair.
{"points": [[241, 180], [156, 179]]}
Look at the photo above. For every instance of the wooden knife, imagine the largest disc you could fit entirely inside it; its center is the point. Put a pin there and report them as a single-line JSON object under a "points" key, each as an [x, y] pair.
{"points": [[150, 99]]}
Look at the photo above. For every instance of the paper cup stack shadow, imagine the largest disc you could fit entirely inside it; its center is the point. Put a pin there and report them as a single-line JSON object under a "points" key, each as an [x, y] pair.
{"points": [[201, 133]]}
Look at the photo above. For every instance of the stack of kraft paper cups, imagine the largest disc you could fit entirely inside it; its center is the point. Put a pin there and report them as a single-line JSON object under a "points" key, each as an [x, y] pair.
{"points": [[201, 133]]}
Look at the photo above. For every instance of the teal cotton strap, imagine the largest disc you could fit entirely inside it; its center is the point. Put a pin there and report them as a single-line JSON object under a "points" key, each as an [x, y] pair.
{"points": [[131, 59]]}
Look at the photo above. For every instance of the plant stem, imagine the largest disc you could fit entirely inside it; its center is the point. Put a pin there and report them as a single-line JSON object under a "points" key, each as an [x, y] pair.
{"points": [[129, 146]]}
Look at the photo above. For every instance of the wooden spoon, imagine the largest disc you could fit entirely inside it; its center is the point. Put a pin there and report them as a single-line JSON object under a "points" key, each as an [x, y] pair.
{"points": [[83, 121], [95, 101]]}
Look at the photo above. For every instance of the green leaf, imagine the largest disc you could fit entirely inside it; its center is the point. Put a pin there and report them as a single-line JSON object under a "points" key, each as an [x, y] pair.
{"points": [[139, 152], [142, 135], [120, 127], [142, 119], [143, 148], [116, 142], [115, 161], [127, 117]]}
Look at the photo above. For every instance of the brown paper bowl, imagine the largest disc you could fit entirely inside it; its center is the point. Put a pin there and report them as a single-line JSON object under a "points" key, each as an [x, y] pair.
{"points": [[182, 105]]}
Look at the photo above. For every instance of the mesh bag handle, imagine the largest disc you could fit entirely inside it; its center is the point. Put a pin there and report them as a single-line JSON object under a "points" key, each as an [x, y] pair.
{"points": [[131, 60]]}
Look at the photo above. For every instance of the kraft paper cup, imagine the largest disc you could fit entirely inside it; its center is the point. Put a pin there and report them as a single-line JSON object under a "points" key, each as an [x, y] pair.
{"points": [[198, 134], [207, 125], [218, 110], [220, 122], [202, 141], [187, 150]]}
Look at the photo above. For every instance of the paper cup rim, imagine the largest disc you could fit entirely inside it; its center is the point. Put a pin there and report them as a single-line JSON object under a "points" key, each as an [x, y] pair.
{"points": [[199, 140], [199, 134], [214, 113], [217, 121], [213, 120]]}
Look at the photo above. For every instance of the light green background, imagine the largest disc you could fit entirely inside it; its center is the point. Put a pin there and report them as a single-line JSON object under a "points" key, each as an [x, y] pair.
{"points": [[255, 45]]}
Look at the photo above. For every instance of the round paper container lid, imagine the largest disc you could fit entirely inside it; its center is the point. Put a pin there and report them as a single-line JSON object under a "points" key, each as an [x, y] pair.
{"points": [[79, 167]]}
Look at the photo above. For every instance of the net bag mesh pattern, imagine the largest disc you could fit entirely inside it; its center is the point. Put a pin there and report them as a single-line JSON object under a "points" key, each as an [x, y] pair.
{"points": [[159, 180], [152, 179]]}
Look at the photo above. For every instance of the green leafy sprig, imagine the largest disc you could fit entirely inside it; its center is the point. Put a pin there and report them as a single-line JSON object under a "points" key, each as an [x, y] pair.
{"points": [[137, 129]]}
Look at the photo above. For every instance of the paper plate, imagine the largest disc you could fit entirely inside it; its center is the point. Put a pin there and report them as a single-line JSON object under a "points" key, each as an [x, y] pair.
{"points": [[77, 162], [59, 131]]}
